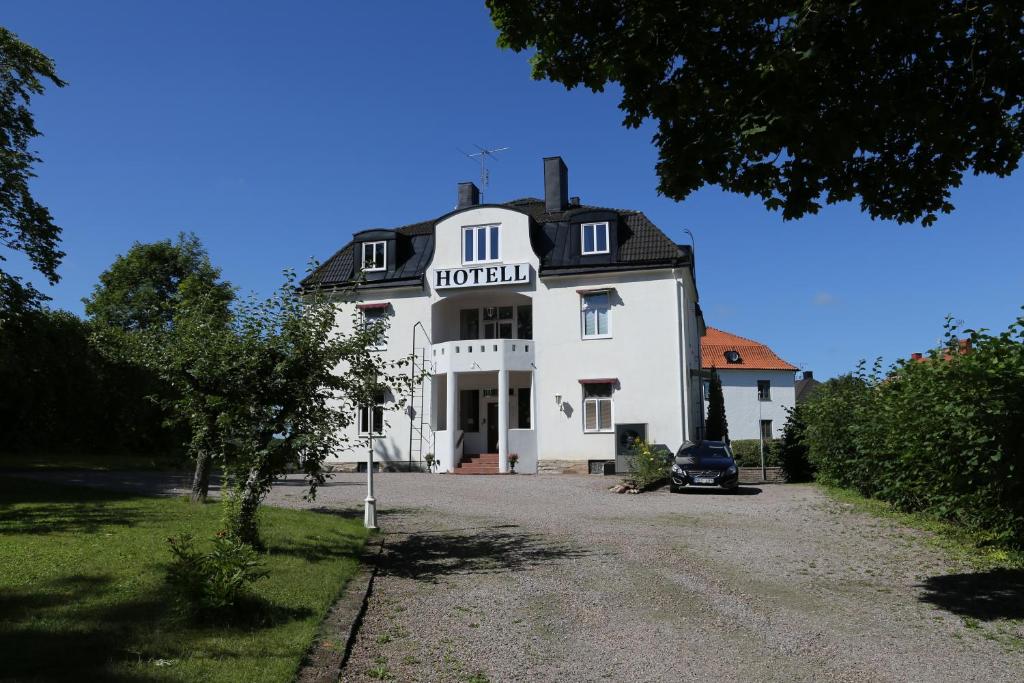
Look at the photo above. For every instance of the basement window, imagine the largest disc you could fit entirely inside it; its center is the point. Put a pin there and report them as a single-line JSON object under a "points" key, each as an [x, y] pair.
{"points": [[594, 238], [375, 256]]}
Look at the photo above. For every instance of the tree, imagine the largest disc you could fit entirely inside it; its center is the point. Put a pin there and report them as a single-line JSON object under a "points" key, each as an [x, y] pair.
{"points": [[25, 225], [141, 291], [271, 386], [799, 103], [717, 426], [793, 452]]}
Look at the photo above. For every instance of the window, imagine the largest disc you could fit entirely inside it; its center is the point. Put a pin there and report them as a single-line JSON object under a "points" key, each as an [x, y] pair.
{"points": [[469, 410], [374, 414], [524, 322], [469, 323], [375, 317], [481, 244], [707, 389], [375, 256], [498, 322], [766, 429], [524, 408], [594, 238], [597, 407], [764, 390], [596, 315]]}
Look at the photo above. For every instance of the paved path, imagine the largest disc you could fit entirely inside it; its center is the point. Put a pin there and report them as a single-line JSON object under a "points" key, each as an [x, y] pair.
{"points": [[552, 578]]}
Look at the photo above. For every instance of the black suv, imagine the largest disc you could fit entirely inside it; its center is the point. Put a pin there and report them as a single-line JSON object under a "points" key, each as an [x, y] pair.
{"points": [[704, 464]]}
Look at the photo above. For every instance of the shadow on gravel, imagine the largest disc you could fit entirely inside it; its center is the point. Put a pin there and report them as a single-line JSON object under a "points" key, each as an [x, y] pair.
{"points": [[739, 491], [996, 594], [427, 556]]}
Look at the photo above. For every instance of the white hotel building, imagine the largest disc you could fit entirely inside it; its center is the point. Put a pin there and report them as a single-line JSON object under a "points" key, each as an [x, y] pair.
{"points": [[548, 329]]}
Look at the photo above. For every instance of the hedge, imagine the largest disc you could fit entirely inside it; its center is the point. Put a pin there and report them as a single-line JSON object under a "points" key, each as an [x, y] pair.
{"points": [[747, 452], [942, 435]]}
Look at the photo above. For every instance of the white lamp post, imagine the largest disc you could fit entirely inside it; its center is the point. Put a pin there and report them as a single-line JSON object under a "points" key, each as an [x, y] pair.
{"points": [[370, 516]]}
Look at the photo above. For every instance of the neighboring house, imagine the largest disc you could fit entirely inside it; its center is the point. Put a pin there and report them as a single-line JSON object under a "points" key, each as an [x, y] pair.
{"points": [[806, 386], [757, 385], [548, 329]]}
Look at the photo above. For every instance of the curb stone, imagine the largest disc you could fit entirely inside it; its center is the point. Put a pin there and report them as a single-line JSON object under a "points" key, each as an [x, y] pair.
{"points": [[337, 634]]}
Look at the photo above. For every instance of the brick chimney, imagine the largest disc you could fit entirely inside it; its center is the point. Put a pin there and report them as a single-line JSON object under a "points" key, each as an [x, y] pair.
{"points": [[916, 356], [965, 346]]}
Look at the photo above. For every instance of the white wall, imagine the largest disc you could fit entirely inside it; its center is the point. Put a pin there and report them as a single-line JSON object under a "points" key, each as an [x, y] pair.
{"points": [[744, 411]]}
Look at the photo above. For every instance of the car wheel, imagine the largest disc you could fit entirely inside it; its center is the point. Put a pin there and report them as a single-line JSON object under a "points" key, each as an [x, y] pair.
{"points": [[672, 488]]}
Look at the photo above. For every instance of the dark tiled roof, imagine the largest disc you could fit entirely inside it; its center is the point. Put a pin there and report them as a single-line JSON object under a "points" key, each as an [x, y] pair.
{"points": [[640, 245]]}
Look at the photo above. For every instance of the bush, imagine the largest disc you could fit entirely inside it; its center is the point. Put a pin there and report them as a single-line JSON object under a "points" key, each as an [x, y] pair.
{"points": [[944, 435], [747, 452], [210, 583], [792, 451], [648, 466]]}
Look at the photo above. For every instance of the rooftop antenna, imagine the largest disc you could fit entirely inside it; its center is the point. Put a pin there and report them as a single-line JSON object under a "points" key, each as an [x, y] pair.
{"points": [[481, 157]]}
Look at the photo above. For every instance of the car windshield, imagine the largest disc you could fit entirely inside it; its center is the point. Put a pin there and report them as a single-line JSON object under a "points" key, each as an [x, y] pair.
{"points": [[705, 451]]}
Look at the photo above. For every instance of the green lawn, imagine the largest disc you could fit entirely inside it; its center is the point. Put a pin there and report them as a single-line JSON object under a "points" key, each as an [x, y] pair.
{"points": [[82, 592]]}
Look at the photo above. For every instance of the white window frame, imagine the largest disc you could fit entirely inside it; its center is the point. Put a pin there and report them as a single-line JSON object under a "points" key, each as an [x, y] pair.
{"points": [[362, 413], [583, 315], [382, 339], [596, 401], [477, 230], [384, 256], [595, 250]]}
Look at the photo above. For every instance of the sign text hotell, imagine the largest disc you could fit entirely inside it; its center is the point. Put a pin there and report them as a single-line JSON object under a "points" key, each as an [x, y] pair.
{"points": [[482, 276]]}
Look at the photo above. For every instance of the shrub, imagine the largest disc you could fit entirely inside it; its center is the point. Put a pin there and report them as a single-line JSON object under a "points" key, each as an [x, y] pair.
{"points": [[747, 452], [211, 583], [944, 435], [792, 450], [648, 466]]}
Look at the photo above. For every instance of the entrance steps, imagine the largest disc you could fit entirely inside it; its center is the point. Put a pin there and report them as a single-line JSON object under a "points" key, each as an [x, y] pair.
{"points": [[484, 463]]}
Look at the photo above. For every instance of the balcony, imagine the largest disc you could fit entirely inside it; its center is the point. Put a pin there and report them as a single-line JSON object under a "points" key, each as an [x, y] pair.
{"points": [[482, 355]]}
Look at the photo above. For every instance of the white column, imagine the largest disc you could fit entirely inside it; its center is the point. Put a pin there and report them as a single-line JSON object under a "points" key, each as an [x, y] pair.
{"points": [[503, 418], [451, 419]]}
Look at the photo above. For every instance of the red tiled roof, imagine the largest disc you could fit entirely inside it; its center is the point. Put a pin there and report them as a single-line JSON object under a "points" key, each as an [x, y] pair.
{"points": [[753, 355]]}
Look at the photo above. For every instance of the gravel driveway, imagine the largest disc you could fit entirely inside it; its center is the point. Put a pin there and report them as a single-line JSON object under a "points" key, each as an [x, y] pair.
{"points": [[552, 578]]}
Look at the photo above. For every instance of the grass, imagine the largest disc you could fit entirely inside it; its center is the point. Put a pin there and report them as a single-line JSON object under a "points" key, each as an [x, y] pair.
{"points": [[93, 461], [976, 549], [83, 596]]}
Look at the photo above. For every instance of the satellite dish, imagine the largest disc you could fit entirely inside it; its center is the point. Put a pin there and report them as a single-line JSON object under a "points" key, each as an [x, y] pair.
{"points": [[732, 356]]}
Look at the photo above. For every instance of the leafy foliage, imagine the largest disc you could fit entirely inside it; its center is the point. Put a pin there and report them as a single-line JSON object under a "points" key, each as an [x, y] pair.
{"points": [[265, 386], [798, 103], [210, 583], [647, 466], [25, 225], [943, 436], [792, 453], [717, 426], [747, 452], [60, 395], [140, 288]]}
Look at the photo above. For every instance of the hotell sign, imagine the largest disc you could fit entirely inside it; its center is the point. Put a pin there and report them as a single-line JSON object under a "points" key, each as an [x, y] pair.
{"points": [[482, 276]]}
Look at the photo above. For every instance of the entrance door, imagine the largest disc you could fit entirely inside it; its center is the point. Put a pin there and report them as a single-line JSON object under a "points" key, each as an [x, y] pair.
{"points": [[492, 427]]}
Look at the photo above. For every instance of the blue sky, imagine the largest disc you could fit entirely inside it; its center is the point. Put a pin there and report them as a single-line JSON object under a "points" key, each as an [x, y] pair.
{"points": [[275, 130]]}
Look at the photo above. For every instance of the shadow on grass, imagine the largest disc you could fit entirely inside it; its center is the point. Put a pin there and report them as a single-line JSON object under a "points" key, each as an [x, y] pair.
{"points": [[987, 596], [81, 628], [31, 507], [427, 556]]}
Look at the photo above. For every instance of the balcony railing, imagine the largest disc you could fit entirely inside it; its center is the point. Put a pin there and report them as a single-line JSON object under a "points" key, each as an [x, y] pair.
{"points": [[482, 355]]}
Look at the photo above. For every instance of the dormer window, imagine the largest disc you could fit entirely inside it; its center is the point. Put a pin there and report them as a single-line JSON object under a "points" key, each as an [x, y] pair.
{"points": [[375, 256], [481, 244], [594, 238]]}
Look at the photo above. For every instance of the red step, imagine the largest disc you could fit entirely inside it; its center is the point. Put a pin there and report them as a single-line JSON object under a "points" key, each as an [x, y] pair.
{"points": [[481, 463]]}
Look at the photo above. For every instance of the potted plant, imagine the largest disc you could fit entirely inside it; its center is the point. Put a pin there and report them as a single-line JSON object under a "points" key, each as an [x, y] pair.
{"points": [[431, 461], [512, 460]]}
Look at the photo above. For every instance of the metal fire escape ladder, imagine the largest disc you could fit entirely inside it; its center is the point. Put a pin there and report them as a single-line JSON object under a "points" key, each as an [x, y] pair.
{"points": [[421, 436]]}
